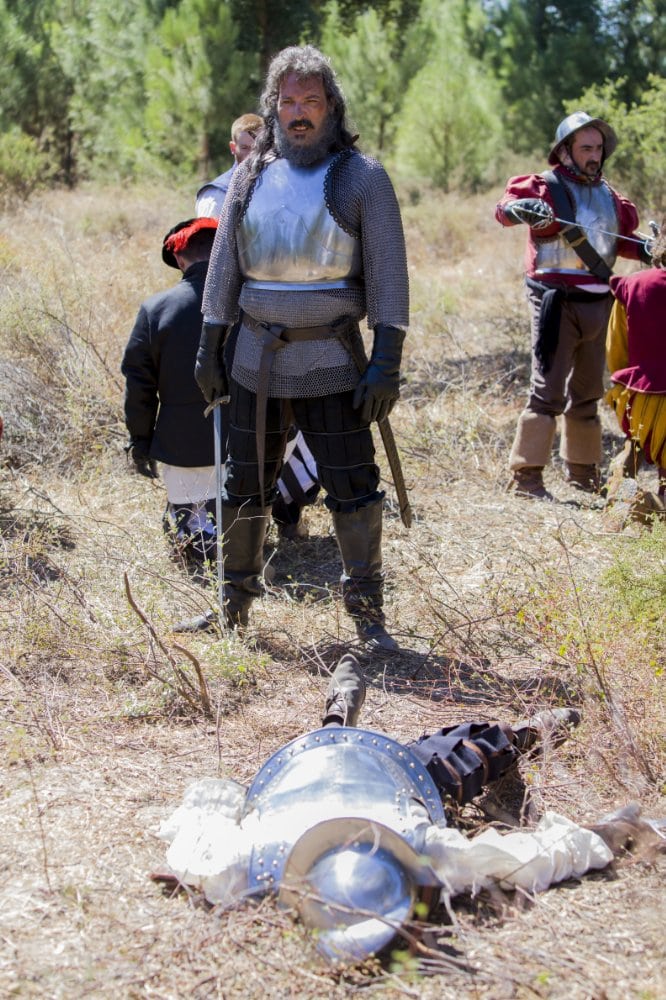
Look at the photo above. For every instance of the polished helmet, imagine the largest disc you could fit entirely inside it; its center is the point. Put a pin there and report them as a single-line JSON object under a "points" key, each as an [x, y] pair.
{"points": [[355, 882], [572, 123], [330, 773]]}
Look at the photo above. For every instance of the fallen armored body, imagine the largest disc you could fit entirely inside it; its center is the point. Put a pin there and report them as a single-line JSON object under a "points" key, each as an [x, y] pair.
{"points": [[348, 828]]}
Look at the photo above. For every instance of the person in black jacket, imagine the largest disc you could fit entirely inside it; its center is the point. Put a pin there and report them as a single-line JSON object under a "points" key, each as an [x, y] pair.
{"points": [[164, 408]]}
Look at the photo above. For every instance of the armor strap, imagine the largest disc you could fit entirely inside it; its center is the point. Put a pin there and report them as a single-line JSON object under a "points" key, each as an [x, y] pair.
{"points": [[273, 338], [575, 236]]}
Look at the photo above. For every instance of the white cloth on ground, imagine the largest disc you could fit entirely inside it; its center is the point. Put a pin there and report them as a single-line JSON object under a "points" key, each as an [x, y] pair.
{"points": [[211, 843]]}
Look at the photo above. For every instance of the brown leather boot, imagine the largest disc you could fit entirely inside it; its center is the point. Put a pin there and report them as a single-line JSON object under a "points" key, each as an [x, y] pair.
{"points": [[582, 477], [346, 693], [528, 482]]}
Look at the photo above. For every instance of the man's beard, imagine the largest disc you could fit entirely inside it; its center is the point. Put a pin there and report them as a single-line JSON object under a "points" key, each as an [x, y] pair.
{"points": [[307, 154], [567, 160]]}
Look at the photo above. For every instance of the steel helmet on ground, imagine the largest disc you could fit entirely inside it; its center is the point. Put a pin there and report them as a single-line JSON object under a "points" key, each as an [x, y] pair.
{"points": [[355, 882]]}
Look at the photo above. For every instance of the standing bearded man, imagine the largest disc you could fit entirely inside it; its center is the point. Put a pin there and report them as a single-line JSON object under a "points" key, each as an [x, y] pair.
{"points": [[310, 242], [567, 270]]}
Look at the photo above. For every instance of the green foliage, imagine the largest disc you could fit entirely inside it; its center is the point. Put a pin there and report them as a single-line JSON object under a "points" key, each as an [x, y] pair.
{"points": [[196, 84], [636, 583], [638, 163], [449, 127], [34, 89], [375, 62], [102, 55], [23, 165], [637, 44], [545, 55], [132, 88]]}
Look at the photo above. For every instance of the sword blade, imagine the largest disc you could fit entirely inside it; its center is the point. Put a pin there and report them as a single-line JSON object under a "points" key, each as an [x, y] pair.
{"points": [[217, 435], [597, 229]]}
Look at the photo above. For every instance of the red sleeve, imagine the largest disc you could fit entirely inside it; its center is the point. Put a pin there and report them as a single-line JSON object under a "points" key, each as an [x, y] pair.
{"points": [[525, 186], [627, 225], [618, 286]]}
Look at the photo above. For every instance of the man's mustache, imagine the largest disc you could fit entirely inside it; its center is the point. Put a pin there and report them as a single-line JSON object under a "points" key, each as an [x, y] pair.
{"points": [[305, 122]]}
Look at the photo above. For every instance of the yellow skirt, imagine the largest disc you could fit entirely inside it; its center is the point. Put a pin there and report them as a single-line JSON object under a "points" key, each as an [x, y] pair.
{"points": [[642, 418]]}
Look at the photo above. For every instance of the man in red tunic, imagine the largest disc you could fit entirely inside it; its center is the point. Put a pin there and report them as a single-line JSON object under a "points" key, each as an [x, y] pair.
{"points": [[566, 273], [636, 357]]}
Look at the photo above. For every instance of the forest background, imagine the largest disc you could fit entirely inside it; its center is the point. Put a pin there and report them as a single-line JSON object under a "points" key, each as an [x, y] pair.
{"points": [[443, 91]]}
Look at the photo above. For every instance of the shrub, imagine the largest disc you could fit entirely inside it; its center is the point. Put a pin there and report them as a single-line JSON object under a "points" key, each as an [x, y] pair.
{"points": [[23, 166]]}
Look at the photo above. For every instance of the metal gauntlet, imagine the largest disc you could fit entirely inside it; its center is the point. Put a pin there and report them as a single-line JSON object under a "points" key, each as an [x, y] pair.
{"points": [[209, 370], [379, 387]]}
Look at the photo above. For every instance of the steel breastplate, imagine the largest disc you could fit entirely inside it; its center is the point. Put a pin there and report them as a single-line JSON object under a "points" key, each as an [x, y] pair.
{"points": [[328, 774], [288, 239], [594, 207]]}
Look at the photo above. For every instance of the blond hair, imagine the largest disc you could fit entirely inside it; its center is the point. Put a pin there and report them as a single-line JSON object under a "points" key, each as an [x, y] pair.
{"points": [[246, 123]]}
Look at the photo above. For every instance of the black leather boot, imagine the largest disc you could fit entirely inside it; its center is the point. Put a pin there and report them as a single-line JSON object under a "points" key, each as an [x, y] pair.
{"points": [[243, 534], [359, 536]]}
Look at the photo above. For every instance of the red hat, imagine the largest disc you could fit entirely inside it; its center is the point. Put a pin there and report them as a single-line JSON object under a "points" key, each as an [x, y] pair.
{"points": [[176, 239]]}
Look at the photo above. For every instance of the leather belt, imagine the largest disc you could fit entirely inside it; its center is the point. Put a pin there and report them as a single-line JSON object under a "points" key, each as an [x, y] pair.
{"points": [[273, 338]]}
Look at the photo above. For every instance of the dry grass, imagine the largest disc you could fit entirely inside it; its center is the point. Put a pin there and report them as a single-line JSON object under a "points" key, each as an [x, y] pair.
{"points": [[501, 607]]}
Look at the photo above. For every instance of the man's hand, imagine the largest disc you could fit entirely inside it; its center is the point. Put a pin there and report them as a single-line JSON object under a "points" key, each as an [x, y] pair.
{"points": [[536, 212], [645, 252], [143, 465], [209, 370], [379, 387]]}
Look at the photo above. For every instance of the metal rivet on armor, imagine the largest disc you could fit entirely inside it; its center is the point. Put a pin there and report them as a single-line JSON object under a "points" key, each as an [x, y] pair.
{"points": [[317, 739], [375, 742]]}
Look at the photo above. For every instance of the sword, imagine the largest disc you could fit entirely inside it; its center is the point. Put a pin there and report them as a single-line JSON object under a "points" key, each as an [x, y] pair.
{"points": [[393, 456], [217, 440], [355, 347], [595, 229]]}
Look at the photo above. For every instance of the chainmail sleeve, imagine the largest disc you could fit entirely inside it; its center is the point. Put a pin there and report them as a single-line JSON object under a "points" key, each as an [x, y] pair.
{"points": [[224, 280], [362, 200]]}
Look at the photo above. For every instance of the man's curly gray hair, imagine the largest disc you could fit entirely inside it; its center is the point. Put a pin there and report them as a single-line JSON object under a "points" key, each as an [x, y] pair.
{"points": [[304, 61]]}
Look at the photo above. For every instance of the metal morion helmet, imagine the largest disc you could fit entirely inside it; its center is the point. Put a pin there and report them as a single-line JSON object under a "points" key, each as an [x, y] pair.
{"points": [[572, 123], [355, 882]]}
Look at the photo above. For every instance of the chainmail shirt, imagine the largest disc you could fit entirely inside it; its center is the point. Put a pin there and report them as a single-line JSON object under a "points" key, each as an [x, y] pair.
{"points": [[360, 197]]}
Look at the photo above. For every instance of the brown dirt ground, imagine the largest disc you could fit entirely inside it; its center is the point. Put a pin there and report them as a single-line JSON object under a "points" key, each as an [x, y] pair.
{"points": [[488, 596]]}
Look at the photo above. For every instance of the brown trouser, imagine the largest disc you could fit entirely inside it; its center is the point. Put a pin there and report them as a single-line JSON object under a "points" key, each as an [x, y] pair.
{"points": [[572, 386]]}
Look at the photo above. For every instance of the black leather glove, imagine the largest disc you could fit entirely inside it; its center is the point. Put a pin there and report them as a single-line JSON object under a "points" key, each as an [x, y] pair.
{"points": [[137, 451], [379, 387], [536, 212], [645, 252], [209, 370]]}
